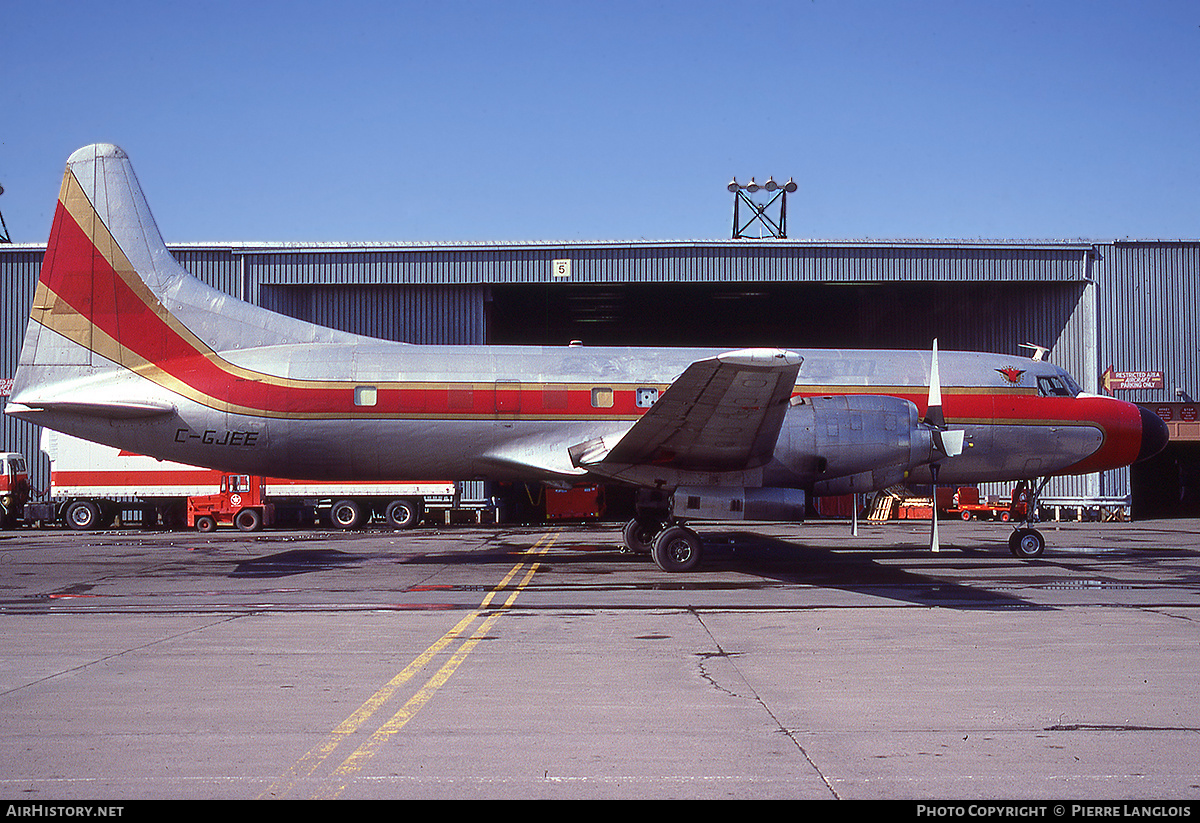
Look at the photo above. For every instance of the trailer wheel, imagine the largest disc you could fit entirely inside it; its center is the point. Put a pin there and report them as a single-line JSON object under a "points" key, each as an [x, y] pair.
{"points": [[345, 514], [248, 520], [205, 524], [82, 515], [402, 514]]}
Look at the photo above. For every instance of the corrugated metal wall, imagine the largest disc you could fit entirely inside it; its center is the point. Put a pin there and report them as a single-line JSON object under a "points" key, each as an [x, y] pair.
{"points": [[736, 261], [19, 267], [1150, 314], [407, 313]]}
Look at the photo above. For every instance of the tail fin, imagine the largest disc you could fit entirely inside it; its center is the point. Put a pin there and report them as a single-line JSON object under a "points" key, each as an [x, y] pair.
{"points": [[111, 296]]}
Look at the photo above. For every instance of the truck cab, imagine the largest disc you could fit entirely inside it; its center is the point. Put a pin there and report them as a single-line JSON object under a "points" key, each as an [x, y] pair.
{"points": [[239, 502], [14, 489]]}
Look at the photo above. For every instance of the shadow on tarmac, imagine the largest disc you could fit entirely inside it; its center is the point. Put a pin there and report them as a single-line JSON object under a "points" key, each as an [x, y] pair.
{"points": [[296, 561], [800, 564]]}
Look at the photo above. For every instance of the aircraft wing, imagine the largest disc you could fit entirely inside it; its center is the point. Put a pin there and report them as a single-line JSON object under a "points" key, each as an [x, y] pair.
{"points": [[722, 414]]}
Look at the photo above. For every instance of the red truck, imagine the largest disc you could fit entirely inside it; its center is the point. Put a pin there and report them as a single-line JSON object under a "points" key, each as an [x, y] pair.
{"points": [[14, 489]]}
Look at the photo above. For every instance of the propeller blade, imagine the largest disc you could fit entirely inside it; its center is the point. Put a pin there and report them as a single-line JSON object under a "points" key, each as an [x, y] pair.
{"points": [[933, 413], [948, 443], [934, 544]]}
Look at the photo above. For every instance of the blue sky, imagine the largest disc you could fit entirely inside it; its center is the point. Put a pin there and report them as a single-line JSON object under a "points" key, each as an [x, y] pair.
{"points": [[457, 120]]}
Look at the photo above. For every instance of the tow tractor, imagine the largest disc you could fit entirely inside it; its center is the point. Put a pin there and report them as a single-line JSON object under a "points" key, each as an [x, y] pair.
{"points": [[967, 505], [239, 502]]}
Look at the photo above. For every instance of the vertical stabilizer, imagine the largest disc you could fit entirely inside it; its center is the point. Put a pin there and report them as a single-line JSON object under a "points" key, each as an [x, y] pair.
{"points": [[111, 296]]}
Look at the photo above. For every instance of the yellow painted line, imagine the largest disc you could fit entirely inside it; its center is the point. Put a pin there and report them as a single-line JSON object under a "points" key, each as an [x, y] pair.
{"points": [[308, 764]]}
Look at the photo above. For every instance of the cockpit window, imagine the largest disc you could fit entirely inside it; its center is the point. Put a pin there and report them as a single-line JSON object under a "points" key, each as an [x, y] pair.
{"points": [[1072, 386], [1053, 387]]}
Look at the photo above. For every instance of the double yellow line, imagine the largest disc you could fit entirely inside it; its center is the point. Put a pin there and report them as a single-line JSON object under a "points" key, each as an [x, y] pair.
{"points": [[339, 778]]}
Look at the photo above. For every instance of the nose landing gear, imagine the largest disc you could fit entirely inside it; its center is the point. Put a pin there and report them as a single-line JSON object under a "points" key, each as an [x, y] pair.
{"points": [[1026, 542]]}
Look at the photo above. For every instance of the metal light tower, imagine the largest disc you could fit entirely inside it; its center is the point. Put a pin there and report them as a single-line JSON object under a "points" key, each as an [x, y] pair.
{"points": [[4, 238], [776, 227]]}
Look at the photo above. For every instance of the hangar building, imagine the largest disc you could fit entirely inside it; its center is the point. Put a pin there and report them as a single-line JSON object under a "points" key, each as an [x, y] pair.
{"points": [[1112, 313]]}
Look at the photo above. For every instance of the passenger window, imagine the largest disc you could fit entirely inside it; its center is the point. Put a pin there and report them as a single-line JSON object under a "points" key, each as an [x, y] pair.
{"points": [[602, 398], [365, 395]]}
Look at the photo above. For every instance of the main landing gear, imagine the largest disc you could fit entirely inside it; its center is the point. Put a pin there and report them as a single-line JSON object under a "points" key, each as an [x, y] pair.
{"points": [[672, 546]]}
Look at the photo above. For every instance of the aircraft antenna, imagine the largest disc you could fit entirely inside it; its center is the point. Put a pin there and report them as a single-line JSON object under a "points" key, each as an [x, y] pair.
{"points": [[770, 215]]}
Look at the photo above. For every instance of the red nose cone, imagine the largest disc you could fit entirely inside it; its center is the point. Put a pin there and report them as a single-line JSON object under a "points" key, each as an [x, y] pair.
{"points": [[1131, 433]]}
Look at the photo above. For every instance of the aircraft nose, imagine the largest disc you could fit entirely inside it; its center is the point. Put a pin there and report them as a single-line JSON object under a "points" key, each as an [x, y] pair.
{"points": [[1154, 435]]}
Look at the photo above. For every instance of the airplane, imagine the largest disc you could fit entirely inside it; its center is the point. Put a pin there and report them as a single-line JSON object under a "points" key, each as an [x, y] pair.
{"points": [[126, 348]]}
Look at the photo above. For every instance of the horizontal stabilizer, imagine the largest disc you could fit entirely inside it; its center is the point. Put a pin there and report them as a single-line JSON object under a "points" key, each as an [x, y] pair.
{"points": [[119, 409]]}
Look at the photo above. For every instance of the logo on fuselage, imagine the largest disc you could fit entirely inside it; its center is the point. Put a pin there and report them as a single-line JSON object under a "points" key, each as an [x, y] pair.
{"points": [[1012, 374]]}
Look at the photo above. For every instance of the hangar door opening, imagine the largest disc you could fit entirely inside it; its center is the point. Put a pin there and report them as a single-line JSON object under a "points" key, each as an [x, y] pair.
{"points": [[1168, 484], [990, 316]]}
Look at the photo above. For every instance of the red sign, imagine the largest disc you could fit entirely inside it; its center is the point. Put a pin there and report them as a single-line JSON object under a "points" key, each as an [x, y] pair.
{"points": [[1129, 380], [1188, 414]]}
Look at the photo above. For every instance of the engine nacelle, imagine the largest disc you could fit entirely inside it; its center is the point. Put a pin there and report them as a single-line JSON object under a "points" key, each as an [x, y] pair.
{"points": [[737, 503], [853, 443]]}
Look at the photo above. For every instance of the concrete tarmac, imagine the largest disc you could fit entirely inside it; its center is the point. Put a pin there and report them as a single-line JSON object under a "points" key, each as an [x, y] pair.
{"points": [[799, 662]]}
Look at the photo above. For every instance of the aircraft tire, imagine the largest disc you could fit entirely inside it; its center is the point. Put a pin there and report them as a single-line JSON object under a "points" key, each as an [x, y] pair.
{"points": [[248, 520], [345, 514], [1026, 544], [402, 514], [676, 549], [638, 537]]}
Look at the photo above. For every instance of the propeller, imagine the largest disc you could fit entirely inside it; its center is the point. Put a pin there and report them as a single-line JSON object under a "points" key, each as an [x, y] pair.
{"points": [[948, 443]]}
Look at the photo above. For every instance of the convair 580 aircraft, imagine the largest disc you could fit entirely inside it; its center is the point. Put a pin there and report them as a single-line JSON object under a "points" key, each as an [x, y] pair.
{"points": [[126, 348]]}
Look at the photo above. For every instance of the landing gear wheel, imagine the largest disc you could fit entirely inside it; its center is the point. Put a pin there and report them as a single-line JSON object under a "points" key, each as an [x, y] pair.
{"points": [[638, 536], [402, 514], [248, 520], [345, 514], [676, 549], [1026, 544]]}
